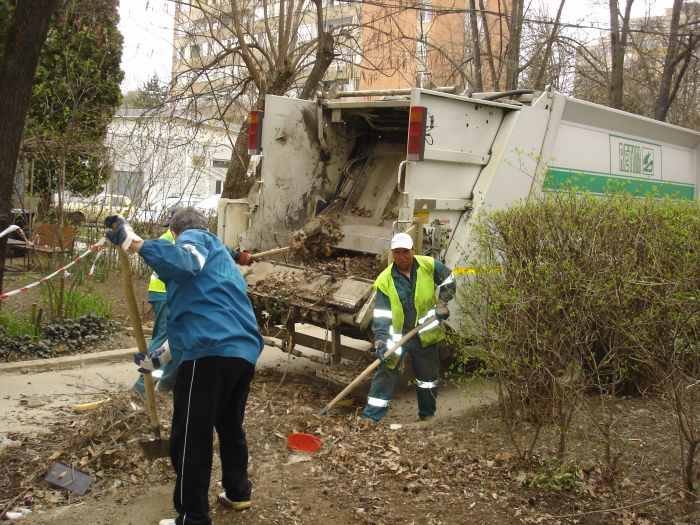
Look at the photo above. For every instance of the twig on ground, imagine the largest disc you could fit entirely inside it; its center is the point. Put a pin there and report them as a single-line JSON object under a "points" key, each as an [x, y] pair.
{"points": [[617, 509]]}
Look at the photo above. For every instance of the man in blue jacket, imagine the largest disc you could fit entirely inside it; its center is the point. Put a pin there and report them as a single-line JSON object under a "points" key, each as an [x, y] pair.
{"points": [[212, 324]]}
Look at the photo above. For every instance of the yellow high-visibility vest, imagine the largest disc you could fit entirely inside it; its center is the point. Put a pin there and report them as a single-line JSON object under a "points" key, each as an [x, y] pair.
{"points": [[155, 284], [424, 301]]}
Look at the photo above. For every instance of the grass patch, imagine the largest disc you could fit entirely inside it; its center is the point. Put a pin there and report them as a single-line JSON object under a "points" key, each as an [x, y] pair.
{"points": [[79, 303], [15, 325]]}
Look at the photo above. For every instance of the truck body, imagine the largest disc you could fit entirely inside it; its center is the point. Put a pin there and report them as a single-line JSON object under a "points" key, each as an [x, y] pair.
{"points": [[348, 158]]}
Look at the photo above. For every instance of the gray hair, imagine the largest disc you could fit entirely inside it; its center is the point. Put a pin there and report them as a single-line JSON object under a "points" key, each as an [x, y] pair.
{"points": [[187, 219]]}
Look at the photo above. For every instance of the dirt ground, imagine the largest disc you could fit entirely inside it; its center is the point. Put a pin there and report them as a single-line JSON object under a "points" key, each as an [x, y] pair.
{"points": [[457, 469]]}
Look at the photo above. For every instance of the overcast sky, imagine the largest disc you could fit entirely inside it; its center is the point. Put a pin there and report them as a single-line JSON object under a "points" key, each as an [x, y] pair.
{"points": [[147, 26]]}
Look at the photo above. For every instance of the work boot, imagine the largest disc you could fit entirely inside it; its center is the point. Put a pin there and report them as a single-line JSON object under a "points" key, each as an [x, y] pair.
{"points": [[235, 505]]}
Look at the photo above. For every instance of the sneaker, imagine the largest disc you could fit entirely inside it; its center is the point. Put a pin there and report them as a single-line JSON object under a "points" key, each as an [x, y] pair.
{"points": [[167, 521], [235, 505], [426, 418]]}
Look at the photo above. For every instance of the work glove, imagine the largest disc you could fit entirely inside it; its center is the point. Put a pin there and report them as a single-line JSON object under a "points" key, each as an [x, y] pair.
{"points": [[119, 232], [380, 349], [245, 258], [153, 360], [442, 313]]}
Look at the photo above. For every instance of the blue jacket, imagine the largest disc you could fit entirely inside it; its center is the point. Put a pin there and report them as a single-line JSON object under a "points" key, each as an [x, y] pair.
{"points": [[209, 311]]}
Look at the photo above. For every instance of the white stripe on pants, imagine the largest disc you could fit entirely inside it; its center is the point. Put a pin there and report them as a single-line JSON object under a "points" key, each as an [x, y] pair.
{"points": [[184, 444]]}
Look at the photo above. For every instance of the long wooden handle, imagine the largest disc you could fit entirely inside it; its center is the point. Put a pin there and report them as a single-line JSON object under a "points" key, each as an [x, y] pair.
{"points": [[269, 253], [367, 371], [140, 339]]}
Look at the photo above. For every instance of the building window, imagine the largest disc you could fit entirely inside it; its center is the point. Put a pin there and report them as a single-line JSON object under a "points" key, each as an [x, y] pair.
{"points": [[219, 187], [220, 163]]}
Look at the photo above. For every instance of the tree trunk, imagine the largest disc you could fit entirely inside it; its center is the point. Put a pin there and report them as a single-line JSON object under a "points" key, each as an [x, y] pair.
{"points": [[23, 41], [513, 52], [494, 80], [542, 72], [237, 185], [663, 100], [478, 79], [618, 45], [324, 58]]}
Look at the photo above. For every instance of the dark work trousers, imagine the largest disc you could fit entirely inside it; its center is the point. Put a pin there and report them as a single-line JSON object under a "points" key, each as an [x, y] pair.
{"points": [[209, 393], [426, 367]]}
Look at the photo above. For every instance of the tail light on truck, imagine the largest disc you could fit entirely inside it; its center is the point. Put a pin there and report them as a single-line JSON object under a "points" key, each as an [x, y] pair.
{"points": [[417, 118], [254, 131]]}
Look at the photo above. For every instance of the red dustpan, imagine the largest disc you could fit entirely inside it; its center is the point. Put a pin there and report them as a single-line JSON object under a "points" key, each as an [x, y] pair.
{"points": [[300, 442]]}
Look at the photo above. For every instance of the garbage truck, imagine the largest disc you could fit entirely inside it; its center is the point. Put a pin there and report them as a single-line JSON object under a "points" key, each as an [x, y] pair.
{"points": [[427, 162]]}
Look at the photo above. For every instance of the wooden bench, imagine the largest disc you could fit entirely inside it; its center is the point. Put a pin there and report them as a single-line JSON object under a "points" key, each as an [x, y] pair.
{"points": [[50, 240]]}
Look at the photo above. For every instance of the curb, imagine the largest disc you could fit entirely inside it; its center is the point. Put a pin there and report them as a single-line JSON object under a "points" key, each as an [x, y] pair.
{"points": [[69, 361]]}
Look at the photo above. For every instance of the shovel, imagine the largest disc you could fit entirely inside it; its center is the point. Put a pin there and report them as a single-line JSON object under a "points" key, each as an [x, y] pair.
{"points": [[367, 371], [157, 447]]}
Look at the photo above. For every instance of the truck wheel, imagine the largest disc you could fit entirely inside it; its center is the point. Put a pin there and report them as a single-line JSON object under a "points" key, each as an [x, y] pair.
{"points": [[76, 218]]}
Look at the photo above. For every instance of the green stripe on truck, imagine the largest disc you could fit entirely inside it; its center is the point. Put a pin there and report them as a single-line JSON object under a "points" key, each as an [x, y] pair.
{"points": [[559, 179]]}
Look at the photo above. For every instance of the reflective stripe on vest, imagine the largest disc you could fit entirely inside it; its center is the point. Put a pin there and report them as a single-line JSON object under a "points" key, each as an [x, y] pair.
{"points": [[377, 402], [155, 284], [424, 300]]}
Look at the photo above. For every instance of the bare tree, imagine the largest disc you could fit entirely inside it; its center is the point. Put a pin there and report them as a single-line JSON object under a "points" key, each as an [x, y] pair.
{"points": [[539, 81], [512, 55], [265, 42], [478, 79], [619, 35], [679, 54]]}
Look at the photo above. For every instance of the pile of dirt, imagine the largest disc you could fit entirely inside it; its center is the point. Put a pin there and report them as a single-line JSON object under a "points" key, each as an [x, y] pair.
{"points": [[349, 265], [316, 239]]}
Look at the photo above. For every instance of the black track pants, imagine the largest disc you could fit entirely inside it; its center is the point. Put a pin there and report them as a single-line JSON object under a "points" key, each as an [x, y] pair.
{"points": [[209, 393]]}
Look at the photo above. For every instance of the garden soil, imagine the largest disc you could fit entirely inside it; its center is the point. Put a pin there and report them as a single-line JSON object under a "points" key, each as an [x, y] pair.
{"points": [[456, 469]]}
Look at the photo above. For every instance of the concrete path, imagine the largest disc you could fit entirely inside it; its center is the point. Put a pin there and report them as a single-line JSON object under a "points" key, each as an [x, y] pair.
{"points": [[33, 393]]}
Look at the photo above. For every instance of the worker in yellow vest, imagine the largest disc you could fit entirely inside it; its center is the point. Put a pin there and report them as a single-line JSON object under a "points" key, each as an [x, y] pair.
{"points": [[406, 297]]}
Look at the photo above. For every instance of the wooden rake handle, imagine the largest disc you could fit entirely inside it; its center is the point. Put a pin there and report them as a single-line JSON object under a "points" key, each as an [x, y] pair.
{"points": [[372, 367], [269, 253], [140, 339]]}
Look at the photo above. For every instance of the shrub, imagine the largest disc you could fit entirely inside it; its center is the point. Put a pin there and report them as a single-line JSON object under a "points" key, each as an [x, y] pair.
{"points": [[578, 294]]}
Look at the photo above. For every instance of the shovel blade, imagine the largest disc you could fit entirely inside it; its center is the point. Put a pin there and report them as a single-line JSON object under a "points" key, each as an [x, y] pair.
{"points": [[156, 448]]}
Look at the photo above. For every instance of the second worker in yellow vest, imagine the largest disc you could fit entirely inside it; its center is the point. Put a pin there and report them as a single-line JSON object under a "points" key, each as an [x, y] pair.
{"points": [[410, 291]]}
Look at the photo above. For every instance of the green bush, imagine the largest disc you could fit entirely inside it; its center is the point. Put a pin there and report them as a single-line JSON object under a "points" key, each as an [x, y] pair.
{"points": [[578, 293]]}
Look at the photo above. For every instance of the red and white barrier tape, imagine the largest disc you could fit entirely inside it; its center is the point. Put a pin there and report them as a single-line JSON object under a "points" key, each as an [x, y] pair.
{"points": [[94, 248]]}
